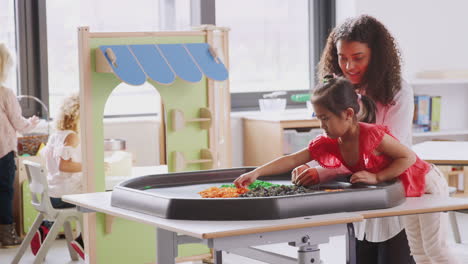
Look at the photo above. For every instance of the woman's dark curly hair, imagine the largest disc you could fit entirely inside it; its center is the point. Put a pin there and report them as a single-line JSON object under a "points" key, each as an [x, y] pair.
{"points": [[382, 79]]}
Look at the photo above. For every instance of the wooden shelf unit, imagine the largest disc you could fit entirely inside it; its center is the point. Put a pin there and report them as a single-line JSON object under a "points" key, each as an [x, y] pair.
{"points": [[263, 137], [453, 92], [459, 132], [439, 81]]}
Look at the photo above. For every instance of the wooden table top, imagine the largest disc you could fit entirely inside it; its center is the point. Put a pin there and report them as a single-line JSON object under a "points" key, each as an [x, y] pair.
{"points": [[101, 202], [443, 152], [427, 203]]}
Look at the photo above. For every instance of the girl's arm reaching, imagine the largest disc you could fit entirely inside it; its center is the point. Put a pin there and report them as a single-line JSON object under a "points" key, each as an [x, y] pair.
{"points": [[72, 140], [402, 156], [277, 166]]}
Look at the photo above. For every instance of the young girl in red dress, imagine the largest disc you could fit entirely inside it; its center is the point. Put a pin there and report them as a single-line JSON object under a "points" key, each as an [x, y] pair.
{"points": [[373, 155]]}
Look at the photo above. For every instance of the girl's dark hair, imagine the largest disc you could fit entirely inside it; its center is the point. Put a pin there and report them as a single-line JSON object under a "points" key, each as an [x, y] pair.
{"points": [[338, 94], [382, 79]]}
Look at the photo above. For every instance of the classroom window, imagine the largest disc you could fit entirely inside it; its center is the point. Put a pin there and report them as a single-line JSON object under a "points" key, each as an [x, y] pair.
{"points": [[269, 44], [8, 37]]}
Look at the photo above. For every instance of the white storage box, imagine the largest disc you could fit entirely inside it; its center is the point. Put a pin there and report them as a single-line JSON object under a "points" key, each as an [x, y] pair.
{"points": [[297, 139]]}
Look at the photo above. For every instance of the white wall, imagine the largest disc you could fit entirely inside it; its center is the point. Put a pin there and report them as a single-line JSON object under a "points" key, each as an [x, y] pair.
{"points": [[432, 34], [237, 140]]}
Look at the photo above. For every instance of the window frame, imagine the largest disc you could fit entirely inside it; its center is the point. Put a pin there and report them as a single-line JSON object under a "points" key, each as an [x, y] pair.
{"points": [[31, 39], [321, 21]]}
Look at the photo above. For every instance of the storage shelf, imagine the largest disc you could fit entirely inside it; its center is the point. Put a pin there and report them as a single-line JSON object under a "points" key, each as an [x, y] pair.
{"points": [[442, 133]]}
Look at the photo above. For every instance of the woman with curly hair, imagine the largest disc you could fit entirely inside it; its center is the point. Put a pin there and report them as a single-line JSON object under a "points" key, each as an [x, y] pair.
{"points": [[63, 162], [362, 50]]}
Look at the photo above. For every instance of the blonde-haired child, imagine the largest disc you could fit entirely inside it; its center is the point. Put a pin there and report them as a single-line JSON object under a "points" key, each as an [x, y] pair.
{"points": [[11, 121], [63, 162], [63, 153]]}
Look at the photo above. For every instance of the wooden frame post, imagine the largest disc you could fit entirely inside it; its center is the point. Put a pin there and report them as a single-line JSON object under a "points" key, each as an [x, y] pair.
{"points": [[84, 57]]}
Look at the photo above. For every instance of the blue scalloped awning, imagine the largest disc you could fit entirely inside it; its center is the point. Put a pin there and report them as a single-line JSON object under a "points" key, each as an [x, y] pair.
{"points": [[133, 64]]}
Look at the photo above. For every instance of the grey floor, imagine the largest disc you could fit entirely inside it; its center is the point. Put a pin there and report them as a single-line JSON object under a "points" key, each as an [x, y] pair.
{"points": [[333, 252]]}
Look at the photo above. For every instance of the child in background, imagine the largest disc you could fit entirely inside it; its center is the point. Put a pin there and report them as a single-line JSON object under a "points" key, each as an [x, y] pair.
{"points": [[373, 155], [63, 162], [11, 121]]}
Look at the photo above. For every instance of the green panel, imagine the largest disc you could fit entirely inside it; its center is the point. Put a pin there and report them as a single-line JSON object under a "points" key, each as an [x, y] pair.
{"points": [[189, 98], [129, 242], [138, 241], [192, 250], [29, 213]]}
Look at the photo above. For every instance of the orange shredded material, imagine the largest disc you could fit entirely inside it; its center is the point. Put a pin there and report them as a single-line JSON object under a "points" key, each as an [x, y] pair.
{"points": [[223, 192], [334, 190]]}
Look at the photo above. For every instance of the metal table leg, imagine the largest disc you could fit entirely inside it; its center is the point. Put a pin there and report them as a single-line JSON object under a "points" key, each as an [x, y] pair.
{"points": [[218, 256], [350, 245], [305, 239], [308, 254], [166, 247]]}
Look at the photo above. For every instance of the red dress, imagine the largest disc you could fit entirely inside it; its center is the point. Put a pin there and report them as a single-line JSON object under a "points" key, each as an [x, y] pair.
{"points": [[326, 152]]}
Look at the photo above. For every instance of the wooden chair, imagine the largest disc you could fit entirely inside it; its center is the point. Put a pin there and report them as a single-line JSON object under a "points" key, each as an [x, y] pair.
{"points": [[41, 202]]}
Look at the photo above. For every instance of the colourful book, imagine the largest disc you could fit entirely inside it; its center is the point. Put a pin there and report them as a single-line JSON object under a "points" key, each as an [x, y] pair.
{"points": [[422, 110], [435, 113]]}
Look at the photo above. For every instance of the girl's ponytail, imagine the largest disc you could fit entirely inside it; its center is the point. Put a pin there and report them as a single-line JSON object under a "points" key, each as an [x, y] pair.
{"points": [[367, 113]]}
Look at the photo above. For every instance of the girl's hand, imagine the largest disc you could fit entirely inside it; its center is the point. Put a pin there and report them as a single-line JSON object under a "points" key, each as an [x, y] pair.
{"points": [[245, 179], [364, 177], [304, 176]]}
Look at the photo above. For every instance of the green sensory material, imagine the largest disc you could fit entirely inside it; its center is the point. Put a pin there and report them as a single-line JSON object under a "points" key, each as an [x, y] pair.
{"points": [[254, 185]]}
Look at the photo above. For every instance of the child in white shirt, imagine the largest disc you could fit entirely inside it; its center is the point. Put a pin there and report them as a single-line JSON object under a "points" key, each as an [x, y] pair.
{"points": [[63, 152], [62, 156]]}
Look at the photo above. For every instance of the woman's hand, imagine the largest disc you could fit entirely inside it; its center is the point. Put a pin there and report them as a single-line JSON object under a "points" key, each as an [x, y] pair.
{"points": [[364, 177], [245, 179], [34, 120], [304, 176]]}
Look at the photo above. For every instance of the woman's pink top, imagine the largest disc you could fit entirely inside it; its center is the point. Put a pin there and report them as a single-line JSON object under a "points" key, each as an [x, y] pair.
{"points": [[327, 153], [11, 121]]}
